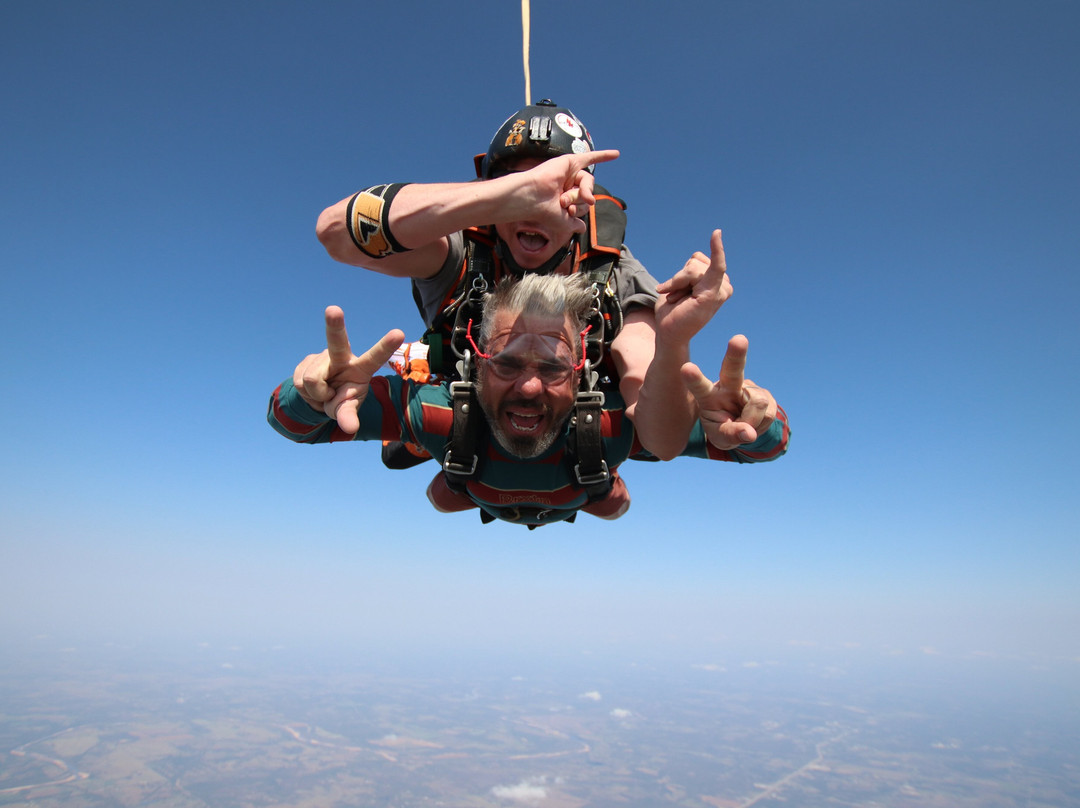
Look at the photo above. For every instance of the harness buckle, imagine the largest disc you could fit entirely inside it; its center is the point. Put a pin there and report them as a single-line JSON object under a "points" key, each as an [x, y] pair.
{"points": [[594, 399], [462, 440], [596, 478], [455, 467], [587, 413]]}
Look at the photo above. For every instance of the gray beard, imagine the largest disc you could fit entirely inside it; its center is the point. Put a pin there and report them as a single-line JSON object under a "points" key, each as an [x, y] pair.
{"points": [[524, 446]]}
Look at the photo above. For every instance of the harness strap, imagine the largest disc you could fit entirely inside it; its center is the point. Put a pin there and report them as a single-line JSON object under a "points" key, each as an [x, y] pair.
{"points": [[461, 457], [589, 468], [588, 464], [596, 258]]}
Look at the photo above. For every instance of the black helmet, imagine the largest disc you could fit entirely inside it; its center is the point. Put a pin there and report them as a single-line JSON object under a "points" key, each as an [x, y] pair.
{"points": [[540, 130]]}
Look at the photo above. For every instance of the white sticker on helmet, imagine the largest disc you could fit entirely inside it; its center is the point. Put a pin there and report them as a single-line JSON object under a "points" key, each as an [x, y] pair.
{"points": [[580, 146], [569, 125]]}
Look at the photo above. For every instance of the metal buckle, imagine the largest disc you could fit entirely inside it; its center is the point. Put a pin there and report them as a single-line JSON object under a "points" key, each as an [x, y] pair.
{"points": [[592, 479], [589, 398], [459, 468]]}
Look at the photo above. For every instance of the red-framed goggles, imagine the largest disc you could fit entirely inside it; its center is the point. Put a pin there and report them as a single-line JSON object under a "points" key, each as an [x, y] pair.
{"points": [[549, 356]]}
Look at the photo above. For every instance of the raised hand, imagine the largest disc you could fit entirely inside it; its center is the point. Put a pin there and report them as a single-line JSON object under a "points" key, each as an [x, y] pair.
{"points": [[734, 410], [336, 380], [693, 295], [561, 189]]}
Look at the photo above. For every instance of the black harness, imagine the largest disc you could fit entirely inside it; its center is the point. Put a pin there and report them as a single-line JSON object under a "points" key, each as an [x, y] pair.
{"points": [[450, 355]]}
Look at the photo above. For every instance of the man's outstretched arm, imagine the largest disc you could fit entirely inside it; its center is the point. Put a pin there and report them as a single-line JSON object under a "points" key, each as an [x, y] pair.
{"points": [[402, 230]]}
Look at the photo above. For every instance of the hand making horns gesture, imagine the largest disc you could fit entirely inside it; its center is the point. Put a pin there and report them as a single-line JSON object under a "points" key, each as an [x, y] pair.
{"points": [[734, 411], [694, 294], [336, 380]]}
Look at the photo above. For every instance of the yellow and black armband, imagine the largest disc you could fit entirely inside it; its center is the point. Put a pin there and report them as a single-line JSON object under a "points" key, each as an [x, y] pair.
{"points": [[368, 220]]}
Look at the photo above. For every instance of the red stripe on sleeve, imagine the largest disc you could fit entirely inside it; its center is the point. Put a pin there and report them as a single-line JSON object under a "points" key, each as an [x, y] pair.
{"points": [[436, 419], [295, 427], [380, 388]]}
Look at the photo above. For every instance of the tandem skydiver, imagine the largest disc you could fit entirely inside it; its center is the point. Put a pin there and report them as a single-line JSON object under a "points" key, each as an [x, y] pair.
{"points": [[514, 434]]}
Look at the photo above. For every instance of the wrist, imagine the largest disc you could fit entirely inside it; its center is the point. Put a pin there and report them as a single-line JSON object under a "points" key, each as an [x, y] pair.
{"points": [[669, 355]]}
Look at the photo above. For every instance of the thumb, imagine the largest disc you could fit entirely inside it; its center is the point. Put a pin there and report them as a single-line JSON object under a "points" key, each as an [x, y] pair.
{"points": [[345, 407], [348, 416], [696, 382]]}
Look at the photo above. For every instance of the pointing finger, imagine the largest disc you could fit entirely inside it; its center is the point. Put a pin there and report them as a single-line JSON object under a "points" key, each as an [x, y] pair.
{"points": [[600, 156], [716, 274], [337, 339], [733, 368], [716, 248]]}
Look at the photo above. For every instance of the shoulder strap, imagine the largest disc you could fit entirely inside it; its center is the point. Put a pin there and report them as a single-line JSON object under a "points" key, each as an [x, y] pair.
{"points": [[462, 458], [445, 342], [587, 462], [588, 466]]}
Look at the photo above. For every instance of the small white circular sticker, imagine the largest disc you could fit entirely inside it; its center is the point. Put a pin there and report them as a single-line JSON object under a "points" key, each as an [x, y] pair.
{"points": [[580, 146], [569, 125]]}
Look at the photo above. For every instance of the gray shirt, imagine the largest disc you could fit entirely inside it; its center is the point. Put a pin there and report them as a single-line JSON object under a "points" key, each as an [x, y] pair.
{"points": [[634, 286]]}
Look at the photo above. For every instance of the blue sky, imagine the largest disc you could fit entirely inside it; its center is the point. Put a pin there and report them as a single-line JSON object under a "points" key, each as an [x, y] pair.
{"points": [[897, 185]]}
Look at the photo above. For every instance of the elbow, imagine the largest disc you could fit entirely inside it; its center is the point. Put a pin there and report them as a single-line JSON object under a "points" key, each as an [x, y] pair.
{"points": [[333, 234], [660, 445], [328, 230], [668, 451]]}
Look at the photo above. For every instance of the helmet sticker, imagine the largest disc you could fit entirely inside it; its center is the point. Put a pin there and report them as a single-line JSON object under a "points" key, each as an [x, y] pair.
{"points": [[580, 146], [513, 137], [569, 125]]}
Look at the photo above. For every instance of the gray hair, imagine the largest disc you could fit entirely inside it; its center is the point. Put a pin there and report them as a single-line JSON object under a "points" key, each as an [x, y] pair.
{"points": [[541, 295]]}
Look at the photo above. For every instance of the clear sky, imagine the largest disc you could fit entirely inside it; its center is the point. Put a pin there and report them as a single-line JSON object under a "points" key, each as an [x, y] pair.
{"points": [[898, 189]]}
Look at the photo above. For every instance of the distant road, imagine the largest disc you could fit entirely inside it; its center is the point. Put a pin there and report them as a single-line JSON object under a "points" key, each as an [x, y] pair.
{"points": [[772, 788]]}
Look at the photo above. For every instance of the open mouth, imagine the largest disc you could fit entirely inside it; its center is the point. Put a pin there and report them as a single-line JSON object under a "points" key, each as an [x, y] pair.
{"points": [[532, 242], [525, 429], [525, 422]]}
